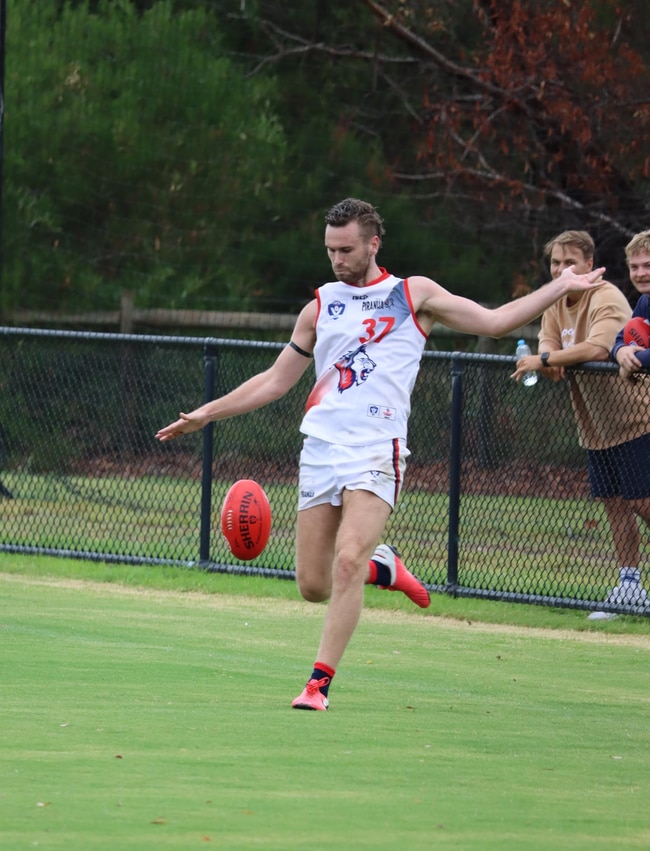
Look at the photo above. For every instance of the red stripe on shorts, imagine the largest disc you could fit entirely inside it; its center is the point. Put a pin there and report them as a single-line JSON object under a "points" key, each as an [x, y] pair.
{"points": [[396, 471]]}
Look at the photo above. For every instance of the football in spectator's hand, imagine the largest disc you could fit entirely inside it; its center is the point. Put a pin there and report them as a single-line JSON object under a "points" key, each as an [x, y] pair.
{"points": [[637, 331]]}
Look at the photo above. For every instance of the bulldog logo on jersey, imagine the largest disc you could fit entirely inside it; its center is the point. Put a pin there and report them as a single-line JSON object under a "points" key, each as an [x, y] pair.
{"points": [[354, 368]]}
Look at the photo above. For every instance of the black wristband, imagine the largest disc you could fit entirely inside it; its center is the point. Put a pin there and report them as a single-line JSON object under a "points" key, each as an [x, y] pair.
{"points": [[544, 358]]}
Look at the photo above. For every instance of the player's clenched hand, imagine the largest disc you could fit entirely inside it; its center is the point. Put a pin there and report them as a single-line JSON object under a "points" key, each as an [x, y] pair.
{"points": [[185, 425]]}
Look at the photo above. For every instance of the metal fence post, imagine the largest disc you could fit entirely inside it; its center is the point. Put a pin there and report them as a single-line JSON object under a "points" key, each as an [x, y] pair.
{"points": [[3, 39], [454, 469], [211, 353]]}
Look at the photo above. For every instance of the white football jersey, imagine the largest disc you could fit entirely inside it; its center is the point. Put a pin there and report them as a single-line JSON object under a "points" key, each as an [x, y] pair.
{"points": [[367, 355]]}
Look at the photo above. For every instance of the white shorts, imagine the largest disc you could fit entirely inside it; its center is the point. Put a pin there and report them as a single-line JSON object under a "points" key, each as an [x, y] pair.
{"points": [[326, 469]]}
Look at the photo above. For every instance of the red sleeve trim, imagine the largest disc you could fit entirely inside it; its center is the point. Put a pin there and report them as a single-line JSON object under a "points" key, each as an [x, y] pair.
{"points": [[408, 298]]}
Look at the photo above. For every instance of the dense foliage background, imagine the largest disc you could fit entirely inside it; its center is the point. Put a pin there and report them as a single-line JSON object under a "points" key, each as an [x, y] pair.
{"points": [[187, 151]]}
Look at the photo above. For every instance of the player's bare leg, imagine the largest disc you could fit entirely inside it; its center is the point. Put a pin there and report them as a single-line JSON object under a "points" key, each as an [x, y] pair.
{"points": [[362, 523], [316, 531], [362, 519]]}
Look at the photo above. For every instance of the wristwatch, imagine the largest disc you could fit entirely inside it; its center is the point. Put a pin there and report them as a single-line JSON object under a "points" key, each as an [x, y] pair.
{"points": [[544, 358]]}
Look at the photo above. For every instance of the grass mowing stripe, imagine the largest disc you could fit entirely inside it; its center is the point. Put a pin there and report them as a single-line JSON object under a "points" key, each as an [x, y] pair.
{"points": [[144, 719]]}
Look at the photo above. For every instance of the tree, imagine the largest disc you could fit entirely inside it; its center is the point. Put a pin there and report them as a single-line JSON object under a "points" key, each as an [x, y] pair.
{"points": [[137, 157], [521, 117]]}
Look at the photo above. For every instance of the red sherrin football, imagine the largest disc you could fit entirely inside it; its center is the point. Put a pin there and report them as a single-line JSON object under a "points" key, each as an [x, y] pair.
{"points": [[637, 330], [246, 519]]}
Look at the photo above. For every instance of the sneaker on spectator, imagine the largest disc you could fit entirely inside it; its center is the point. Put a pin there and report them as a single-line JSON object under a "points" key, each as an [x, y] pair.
{"points": [[629, 592]]}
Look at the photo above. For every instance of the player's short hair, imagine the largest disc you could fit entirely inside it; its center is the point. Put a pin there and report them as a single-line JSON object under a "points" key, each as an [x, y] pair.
{"points": [[639, 244], [577, 238], [353, 210]]}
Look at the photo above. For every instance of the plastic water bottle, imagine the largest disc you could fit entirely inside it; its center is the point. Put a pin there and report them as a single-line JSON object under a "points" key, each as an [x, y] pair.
{"points": [[523, 349]]}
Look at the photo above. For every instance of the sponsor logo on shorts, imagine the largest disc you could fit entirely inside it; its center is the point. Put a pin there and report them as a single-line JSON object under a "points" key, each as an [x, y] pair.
{"points": [[306, 494]]}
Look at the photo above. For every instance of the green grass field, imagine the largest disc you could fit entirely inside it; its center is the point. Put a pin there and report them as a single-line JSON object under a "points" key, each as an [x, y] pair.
{"points": [[149, 708]]}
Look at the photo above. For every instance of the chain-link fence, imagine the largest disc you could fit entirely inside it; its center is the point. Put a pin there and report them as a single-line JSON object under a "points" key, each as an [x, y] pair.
{"points": [[496, 501]]}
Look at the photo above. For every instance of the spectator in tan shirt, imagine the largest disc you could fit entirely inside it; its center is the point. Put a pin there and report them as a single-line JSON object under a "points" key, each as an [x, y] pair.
{"points": [[611, 415]]}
